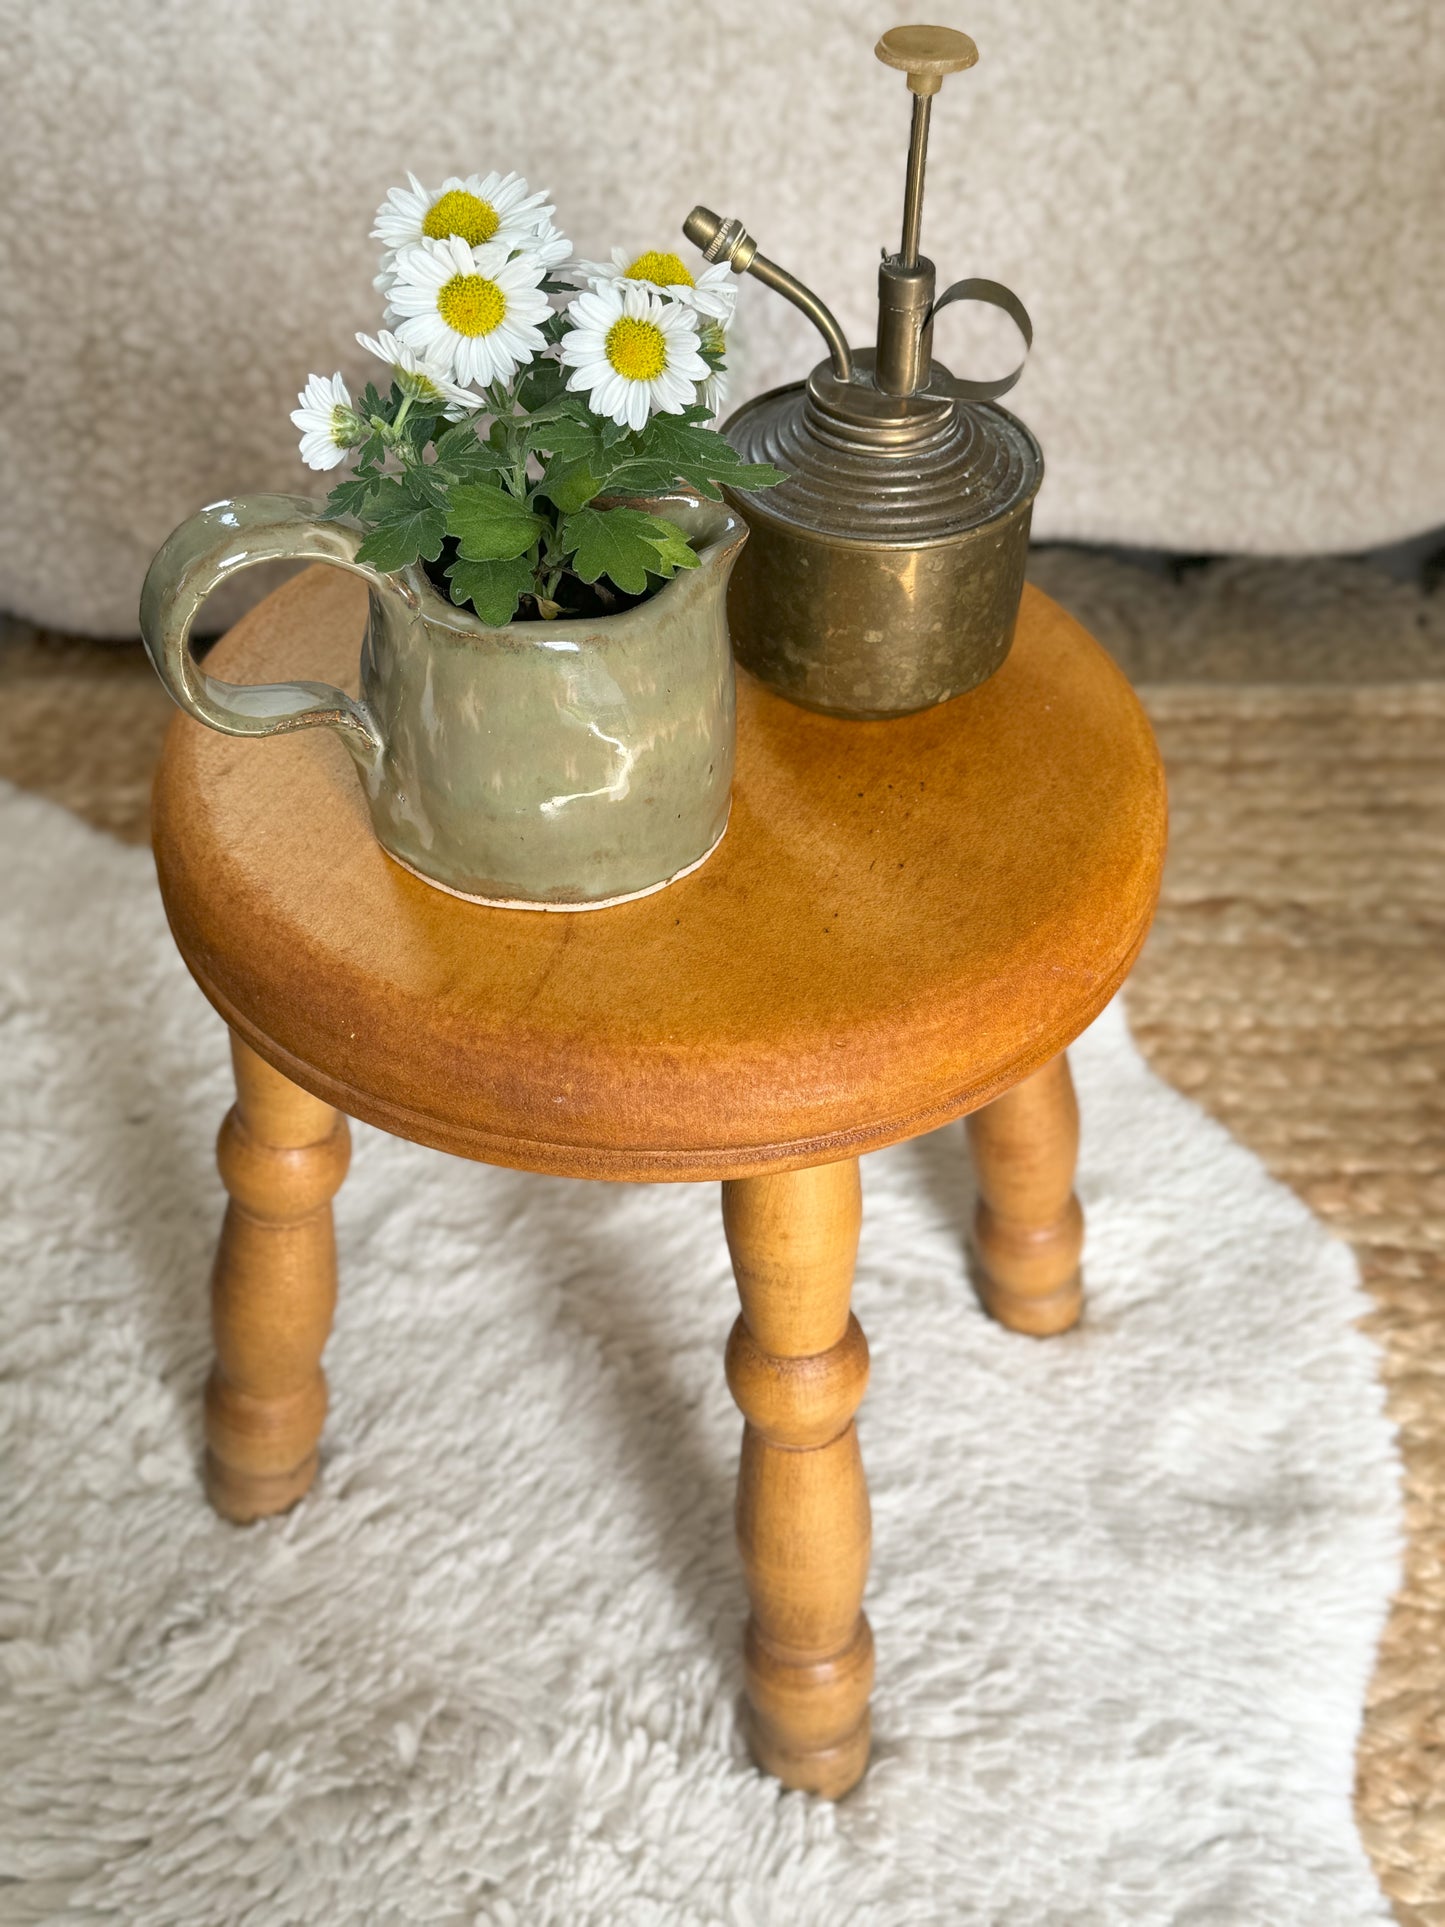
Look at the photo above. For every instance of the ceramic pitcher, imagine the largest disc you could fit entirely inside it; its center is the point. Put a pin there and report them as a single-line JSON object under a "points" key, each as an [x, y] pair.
{"points": [[559, 765]]}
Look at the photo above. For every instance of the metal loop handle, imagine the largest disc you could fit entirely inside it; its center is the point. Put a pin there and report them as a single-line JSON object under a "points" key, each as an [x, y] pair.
{"points": [[997, 296]]}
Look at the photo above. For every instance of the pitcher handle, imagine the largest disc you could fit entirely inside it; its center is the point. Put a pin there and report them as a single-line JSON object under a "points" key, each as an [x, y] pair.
{"points": [[206, 551]]}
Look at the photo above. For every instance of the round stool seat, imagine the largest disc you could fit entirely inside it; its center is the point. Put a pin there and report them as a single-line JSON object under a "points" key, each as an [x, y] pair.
{"points": [[904, 919]]}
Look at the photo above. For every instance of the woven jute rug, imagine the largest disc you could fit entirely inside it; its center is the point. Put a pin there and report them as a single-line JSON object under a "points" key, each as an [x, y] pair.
{"points": [[1293, 985]]}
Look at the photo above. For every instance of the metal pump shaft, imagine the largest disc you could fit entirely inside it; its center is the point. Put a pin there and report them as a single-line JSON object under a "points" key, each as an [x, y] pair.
{"points": [[906, 280]]}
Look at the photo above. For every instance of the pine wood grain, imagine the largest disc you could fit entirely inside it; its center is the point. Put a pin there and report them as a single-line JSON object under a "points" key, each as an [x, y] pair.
{"points": [[1028, 1229], [797, 1365], [903, 920], [282, 1156]]}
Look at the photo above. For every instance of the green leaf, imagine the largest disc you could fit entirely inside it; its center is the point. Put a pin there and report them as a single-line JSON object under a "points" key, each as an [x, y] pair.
{"points": [[563, 427], [624, 545], [493, 588], [570, 485], [674, 551], [543, 382], [372, 451], [636, 475], [426, 488], [462, 458], [420, 426], [583, 466], [610, 542], [404, 538], [457, 438], [490, 525], [700, 456], [389, 499], [351, 497]]}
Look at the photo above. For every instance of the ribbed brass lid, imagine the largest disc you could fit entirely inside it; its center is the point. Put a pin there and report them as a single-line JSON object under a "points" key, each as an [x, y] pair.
{"points": [[895, 471]]}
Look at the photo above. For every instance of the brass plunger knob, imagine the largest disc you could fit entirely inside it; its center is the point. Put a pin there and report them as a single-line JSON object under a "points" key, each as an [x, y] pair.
{"points": [[926, 54]]}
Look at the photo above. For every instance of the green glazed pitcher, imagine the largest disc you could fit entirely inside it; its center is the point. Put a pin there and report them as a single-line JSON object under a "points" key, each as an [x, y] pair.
{"points": [[560, 765]]}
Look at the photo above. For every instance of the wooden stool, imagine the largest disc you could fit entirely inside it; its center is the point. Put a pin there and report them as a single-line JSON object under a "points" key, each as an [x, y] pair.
{"points": [[907, 921]]}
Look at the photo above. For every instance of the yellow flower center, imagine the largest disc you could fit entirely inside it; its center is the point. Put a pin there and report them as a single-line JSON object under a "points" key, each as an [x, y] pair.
{"points": [[636, 349], [663, 270], [467, 215], [470, 304]]}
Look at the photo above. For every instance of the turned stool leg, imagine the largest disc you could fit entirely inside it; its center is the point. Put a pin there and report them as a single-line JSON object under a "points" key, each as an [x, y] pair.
{"points": [[797, 1364], [282, 1154], [1029, 1229]]}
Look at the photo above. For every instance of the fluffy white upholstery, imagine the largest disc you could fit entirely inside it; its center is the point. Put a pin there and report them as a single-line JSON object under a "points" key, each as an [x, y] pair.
{"points": [[1224, 219], [1126, 1585]]}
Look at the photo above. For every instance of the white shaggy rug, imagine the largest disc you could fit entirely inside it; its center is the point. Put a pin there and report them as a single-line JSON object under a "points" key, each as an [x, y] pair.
{"points": [[1126, 1584]]}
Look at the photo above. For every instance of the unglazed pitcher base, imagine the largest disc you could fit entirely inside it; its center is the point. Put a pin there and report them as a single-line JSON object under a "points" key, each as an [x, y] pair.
{"points": [[529, 903]]}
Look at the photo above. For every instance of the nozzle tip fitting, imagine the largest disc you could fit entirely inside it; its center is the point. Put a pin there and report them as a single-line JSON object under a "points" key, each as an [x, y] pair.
{"points": [[701, 227]]}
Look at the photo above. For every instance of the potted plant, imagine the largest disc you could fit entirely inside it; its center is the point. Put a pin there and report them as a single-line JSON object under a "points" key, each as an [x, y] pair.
{"points": [[545, 715]]}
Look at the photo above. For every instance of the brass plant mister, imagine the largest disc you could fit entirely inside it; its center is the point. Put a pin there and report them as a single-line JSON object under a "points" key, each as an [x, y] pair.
{"points": [[884, 574]]}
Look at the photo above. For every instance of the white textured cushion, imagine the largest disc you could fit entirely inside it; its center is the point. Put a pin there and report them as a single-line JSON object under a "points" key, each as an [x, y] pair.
{"points": [[1226, 221]]}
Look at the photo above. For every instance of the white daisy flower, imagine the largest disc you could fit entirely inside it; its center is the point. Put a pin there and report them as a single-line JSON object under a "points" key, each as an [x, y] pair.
{"points": [[474, 310], [419, 378], [713, 291], [478, 209], [329, 424], [549, 244], [713, 392], [636, 353]]}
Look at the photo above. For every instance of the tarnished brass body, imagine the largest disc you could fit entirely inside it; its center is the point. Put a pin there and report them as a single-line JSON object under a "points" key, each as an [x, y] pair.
{"points": [[884, 574]]}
